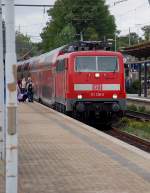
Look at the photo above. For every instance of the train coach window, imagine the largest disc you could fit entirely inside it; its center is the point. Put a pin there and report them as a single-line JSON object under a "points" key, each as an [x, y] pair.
{"points": [[86, 64], [107, 64], [60, 66], [19, 68]]}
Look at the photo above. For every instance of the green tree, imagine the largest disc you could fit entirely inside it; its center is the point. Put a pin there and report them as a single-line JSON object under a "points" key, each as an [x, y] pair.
{"points": [[134, 38], [23, 44], [146, 30], [123, 41], [25, 48], [70, 18]]}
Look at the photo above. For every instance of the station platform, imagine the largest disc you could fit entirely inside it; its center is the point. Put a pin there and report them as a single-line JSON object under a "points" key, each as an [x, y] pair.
{"points": [[58, 154], [137, 97], [134, 99]]}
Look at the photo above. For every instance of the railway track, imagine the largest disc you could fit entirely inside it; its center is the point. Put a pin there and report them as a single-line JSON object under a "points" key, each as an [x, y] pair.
{"points": [[138, 115], [130, 139]]}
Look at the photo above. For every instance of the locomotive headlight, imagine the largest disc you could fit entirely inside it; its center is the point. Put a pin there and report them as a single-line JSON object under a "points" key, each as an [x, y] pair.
{"points": [[79, 96], [97, 75], [115, 96]]}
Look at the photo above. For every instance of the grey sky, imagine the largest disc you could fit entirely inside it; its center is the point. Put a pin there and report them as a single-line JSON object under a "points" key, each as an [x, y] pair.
{"points": [[30, 20], [132, 13]]}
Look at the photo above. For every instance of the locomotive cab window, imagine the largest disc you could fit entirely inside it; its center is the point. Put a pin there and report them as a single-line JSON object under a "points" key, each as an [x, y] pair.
{"points": [[86, 64], [107, 64], [96, 64], [60, 67]]}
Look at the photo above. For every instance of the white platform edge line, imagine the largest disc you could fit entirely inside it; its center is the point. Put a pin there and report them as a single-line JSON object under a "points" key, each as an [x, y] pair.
{"points": [[138, 99], [100, 133]]}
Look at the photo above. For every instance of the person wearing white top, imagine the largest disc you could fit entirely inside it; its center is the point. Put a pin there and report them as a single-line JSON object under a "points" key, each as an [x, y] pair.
{"points": [[23, 85]]}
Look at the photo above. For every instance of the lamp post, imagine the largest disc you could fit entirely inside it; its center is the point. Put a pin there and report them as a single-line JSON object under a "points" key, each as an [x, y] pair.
{"points": [[129, 36], [1, 84], [115, 42], [11, 102]]}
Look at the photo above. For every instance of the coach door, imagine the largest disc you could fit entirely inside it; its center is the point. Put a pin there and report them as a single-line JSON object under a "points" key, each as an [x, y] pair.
{"points": [[53, 83], [60, 81]]}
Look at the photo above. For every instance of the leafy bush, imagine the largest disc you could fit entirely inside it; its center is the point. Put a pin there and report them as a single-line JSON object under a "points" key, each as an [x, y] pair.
{"points": [[125, 122], [136, 85], [141, 109], [132, 107], [122, 123], [147, 111], [141, 129], [134, 88]]}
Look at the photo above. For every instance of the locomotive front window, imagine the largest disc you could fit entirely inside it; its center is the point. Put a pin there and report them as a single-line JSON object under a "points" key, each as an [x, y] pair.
{"points": [[96, 64], [86, 64], [107, 64]]}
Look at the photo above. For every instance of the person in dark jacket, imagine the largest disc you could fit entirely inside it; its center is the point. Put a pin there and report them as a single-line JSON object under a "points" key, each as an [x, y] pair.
{"points": [[30, 91]]}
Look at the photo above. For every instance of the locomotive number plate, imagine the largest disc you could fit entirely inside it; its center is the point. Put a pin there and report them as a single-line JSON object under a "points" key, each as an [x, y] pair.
{"points": [[97, 87], [96, 94]]}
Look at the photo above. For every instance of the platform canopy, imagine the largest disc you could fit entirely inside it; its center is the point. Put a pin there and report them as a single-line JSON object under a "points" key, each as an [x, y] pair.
{"points": [[139, 50]]}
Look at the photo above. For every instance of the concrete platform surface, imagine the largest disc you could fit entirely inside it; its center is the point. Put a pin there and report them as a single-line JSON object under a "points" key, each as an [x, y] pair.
{"points": [[138, 102], [60, 155]]}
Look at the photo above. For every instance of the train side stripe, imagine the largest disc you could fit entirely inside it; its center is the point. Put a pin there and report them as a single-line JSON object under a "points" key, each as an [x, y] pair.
{"points": [[110, 87], [82, 87], [90, 87]]}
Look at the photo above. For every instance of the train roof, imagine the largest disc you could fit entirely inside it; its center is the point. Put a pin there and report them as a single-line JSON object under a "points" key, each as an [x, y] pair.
{"points": [[51, 56], [91, 53], [75, 48]]}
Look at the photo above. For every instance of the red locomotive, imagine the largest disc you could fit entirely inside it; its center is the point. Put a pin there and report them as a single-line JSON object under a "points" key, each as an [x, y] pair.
{"points": [[85, 82]]}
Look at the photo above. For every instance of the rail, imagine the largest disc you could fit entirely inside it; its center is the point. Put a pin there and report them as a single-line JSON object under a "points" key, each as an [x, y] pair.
{"points": [[130, 139], [138, 115]]}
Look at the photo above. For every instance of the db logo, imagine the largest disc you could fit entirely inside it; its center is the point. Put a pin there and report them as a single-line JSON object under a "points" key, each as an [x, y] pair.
{"points": [[97, 87]]}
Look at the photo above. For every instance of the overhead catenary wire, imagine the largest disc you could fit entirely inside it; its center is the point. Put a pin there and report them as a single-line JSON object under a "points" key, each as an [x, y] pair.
{"points": [[131, 10], [134, 22], [31, 5], [116, 2], [119, 1]]}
